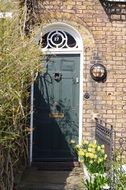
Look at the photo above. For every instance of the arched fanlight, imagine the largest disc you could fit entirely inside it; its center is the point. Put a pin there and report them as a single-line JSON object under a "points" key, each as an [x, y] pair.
{"points": [[98, 72]]}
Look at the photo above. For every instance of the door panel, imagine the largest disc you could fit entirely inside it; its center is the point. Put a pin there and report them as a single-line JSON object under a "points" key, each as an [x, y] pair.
{"points": [[56, 109]]}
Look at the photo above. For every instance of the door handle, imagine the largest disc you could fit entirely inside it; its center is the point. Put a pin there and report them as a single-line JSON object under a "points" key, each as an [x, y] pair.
{"points": [[76, 80]]}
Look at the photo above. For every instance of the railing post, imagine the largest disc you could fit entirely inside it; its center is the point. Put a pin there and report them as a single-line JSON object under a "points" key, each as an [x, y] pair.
{"points": [[104, 134]]}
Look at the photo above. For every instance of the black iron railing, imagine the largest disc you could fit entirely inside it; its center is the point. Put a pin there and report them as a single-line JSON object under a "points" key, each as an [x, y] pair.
{"points": [[115, 148], [104, 134]]}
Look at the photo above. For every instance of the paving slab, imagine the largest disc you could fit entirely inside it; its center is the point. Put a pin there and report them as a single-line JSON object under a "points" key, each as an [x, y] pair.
{"points": [[35, 179]]}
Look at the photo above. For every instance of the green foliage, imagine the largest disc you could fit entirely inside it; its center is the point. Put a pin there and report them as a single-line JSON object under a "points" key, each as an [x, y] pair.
{"points": [[20, 61], [96, 182], [119, 179], [121, 185], [92, 155], [119, 176]]}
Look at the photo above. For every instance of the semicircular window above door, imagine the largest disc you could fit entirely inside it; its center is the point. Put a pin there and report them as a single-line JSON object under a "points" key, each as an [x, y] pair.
{"points": [[59, 39], [60, 36]]}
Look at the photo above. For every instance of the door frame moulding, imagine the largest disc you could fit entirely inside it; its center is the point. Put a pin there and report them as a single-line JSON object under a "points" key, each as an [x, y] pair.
{"points": [[75, 33]]}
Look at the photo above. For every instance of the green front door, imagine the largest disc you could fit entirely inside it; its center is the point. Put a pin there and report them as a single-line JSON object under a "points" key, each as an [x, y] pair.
{"points": [[56, 109]]}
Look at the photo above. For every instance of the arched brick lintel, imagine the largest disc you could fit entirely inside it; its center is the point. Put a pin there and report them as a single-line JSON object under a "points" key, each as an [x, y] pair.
{"points": [[67, 18]]}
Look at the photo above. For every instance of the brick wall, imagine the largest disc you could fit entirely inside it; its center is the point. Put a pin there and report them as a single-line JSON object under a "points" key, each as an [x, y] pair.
{"points": [[107, 100]]}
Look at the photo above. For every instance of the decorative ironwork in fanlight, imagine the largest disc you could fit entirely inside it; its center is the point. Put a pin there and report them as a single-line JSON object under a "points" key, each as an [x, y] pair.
{"points": [[115, 9], [58, 39]]}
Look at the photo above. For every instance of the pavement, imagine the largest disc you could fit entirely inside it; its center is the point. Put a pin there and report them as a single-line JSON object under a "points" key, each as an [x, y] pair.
{"points": [[34, 178]]}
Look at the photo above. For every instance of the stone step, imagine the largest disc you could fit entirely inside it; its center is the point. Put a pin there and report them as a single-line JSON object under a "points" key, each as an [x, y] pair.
{"points": [[41, 187], [55, 166]]}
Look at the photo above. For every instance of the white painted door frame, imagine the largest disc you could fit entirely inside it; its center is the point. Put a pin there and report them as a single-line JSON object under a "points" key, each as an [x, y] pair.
{"points": [[80, 51]]}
